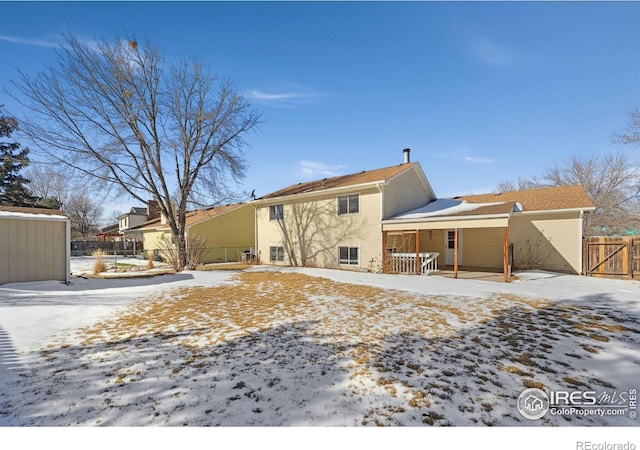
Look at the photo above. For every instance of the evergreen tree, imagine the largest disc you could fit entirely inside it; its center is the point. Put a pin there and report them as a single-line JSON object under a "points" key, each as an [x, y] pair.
{"points": [[13, 186]]}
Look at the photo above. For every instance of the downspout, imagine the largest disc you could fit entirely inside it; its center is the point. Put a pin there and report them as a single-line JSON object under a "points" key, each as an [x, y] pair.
{"points": [[382, 242], [255, 230]]}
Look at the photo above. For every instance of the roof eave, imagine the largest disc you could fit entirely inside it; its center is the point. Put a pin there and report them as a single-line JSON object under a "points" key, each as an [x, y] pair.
{"points": [[318, 193], [447, 218], [557, 211], [240, 205]]}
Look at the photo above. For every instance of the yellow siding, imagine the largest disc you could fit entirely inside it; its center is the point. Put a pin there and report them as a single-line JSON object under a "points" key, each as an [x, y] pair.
{"points": [[32, 250], [228, 235], [483, 247], [553, 240], [404, 193], [327, 230], [151, 239]]}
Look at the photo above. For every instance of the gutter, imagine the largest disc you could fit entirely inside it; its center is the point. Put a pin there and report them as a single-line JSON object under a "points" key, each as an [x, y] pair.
{"points": [[318, 193], [446, 218], [558, 211]]}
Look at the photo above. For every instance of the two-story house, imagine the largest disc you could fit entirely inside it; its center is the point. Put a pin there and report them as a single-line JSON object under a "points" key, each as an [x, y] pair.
{"points": [[336, 222], [390, 219]]}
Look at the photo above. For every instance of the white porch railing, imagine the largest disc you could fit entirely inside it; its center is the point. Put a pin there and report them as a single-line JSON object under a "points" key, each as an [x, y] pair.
{"points": [[406, 262]]}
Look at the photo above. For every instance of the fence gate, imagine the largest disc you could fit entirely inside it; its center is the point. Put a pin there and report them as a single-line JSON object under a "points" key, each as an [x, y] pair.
{"points": [[612, 257]]}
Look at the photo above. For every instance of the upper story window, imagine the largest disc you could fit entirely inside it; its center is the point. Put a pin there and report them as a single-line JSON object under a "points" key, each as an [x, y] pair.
{"points": [[276, 212], [349, 204]]}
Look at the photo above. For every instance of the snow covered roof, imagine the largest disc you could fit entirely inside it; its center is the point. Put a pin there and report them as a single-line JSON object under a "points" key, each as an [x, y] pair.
{"points": [[31, 213], [446, 207]]}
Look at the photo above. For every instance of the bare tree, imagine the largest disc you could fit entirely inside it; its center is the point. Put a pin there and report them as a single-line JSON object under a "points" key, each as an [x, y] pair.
{"points": [[632, 135], [518, 185], [611, 181], [122, 113], [50, 184], [84, 213]]}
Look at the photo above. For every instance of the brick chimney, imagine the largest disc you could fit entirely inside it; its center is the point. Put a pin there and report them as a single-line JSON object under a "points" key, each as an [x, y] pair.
{"points": [[153, 210]]}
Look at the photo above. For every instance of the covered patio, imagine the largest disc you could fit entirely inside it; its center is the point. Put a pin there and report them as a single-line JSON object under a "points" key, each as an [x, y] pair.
{"points": [[464, 240]]}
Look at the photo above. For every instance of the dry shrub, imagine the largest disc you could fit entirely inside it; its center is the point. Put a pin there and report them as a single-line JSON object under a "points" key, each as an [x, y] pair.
{"points": [[532, 254], [533, 384], [150, 260], [196, 249], [99, 266]]}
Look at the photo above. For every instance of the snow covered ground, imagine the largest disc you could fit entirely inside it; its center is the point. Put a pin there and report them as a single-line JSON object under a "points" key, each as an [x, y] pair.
{"points": [[311, 347]]}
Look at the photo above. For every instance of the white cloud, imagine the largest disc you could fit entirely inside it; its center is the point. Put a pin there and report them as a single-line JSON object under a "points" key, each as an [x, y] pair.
{"points": [[316, 169], [258, 95], [289, 96], [28, 41], [474, 160], [490, 52]]}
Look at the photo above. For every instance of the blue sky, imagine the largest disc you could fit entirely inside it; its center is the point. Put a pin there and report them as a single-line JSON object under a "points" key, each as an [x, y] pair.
{"points": [[480, 91]]}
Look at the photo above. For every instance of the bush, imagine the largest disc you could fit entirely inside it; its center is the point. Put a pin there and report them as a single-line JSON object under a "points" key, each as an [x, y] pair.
{"points": [[150, 260], [99, 266], [196, 249]]}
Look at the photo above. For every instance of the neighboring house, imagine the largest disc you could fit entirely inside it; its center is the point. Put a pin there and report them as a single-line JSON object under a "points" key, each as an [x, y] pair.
{"points": [[336, 222], [34, 245], [229, 232], [135, 217], [110, 233], [359, 221]]}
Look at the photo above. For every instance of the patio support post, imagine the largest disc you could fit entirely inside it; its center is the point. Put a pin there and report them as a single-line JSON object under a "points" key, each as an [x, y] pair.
{"points": [[384, 251], [505, 255], [417, 252], [455, 253]]}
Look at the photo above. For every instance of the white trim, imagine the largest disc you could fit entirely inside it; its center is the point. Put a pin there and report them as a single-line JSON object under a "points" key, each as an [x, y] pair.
{"points": [[347, 213], [349, 264], [277, 218], [31, 216], [284, 251], [318, 193], [557, 211], [449, 251], [446, 218]]}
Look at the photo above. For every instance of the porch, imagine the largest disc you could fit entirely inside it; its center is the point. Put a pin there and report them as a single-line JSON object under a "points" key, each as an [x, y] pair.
{"points": [[487, 254]]}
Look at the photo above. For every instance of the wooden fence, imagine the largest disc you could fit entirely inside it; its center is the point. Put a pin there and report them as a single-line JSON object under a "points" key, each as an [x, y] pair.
{"points": [[611, 257]]}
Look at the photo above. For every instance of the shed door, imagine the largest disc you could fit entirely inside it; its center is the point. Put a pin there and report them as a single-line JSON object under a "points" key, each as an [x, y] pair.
{"points": [[449, 244]]}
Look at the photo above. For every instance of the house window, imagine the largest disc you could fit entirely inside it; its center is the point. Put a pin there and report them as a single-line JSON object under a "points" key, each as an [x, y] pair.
{"points": [[276, 254], [348, 255], [276, 212], [349, 204]]}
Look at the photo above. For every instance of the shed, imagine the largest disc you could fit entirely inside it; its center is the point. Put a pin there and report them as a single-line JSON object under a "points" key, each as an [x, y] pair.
{"points": [[34, 245]]}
